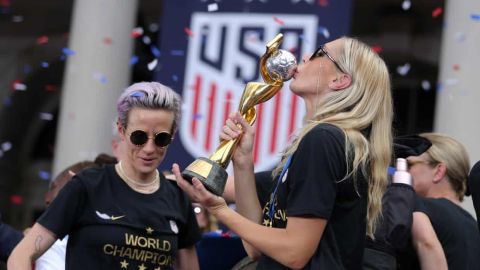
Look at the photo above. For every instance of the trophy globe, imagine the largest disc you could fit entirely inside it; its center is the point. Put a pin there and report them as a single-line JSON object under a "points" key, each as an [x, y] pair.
{"points": [[281, 65]]}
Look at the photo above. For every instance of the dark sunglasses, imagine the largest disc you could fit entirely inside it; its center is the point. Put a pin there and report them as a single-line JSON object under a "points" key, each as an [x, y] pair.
{"points": [[320, 52], [140, 137]]}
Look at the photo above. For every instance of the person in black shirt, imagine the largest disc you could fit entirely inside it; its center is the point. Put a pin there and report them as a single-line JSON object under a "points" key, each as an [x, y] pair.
{"points": [[443, 234], [328, 186], [125, 215], [474, 188]]}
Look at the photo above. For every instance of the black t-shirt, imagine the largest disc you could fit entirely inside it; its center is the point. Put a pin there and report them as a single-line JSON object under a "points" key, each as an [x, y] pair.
{"points": [[456, 230], [315, 186], [111, 226]]}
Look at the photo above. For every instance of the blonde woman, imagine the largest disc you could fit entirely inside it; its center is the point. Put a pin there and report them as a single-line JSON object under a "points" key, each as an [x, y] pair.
{"points": [[328, 187], [444, 235]]}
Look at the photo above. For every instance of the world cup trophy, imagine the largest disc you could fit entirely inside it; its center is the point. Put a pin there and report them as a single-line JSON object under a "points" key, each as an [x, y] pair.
{"points": [[276, 67]]}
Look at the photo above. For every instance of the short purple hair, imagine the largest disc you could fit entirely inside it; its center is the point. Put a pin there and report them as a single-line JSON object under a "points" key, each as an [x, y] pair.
{"points": [[149, 95]]}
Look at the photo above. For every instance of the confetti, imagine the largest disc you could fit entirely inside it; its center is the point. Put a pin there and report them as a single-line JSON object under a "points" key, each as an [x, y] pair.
{"points": [[475, 17], [155, 51], [456, 67], [403, 70], [7, 101], [6, 146], [16, 199], [175, 78], [188, 31], [324, 31], [426, 85], [278, 21], [27, 69], [391, 170], [440, 87], [107, 40], [17, 18], [146, 40], [451, 81], [212, 7], [44, 175], [67, 51], [133, 60], [153, 27], [50, 88], [377, 48], [137, 32], [152, 65], [100, 77], [437, 12], [323, 3], [406, 4], [42, 40], [46, 116], [44, 64], [17, 85]]}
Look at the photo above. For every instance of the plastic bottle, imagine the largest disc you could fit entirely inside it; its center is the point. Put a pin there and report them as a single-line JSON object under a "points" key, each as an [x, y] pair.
{"points": [[401, 174]]}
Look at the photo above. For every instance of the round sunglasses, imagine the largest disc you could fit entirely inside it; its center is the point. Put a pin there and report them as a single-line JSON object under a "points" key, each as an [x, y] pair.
{"points": [[140, 137]]}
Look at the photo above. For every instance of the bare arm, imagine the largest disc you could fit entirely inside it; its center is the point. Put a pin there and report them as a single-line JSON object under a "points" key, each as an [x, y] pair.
{"points": [[33, 245], [187, 259], [425, 241], [292, 246]]}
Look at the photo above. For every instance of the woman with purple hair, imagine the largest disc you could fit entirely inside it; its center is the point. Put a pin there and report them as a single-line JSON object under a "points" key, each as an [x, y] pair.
{"points": [[128, 215]]}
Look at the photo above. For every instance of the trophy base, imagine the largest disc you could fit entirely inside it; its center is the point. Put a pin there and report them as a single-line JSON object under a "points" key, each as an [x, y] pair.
{"points": [[211, 174]]}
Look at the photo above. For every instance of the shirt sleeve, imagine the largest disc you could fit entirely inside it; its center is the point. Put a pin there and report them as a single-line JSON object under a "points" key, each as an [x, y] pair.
{"points": [[62, 214], [317, 166]]}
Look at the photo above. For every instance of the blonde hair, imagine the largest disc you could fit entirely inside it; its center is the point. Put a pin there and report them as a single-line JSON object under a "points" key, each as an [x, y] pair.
{"points": [[453, 154], [365, 104]]}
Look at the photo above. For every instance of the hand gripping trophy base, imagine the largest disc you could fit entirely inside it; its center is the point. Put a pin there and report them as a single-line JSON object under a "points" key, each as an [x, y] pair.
{"points": [[212, 175]]}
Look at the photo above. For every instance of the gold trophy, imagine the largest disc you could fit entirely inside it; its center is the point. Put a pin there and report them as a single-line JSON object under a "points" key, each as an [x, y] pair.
{"points": [[276, 67]]}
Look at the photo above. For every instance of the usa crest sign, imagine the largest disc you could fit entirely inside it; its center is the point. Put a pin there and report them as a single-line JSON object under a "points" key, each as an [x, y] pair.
{"points": [[214, 54]]}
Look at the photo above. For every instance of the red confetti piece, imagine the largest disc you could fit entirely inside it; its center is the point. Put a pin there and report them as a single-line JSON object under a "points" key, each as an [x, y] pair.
{"points": [[16, 199], [107, 40], [377, 48], [456, 67], [42, 40], [18, 85], [188, 31], [51, 88], [277, 20], [226, 234], [437, 12], [137, 32], [323, 3]]}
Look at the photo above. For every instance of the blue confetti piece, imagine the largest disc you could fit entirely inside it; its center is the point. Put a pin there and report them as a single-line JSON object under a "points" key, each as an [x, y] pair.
{"points": [[45, 64], [155, 51], [391, 170], [44, 175], [103, 79], [67, 51], [175, 78], [177, 52], [475, 17], [133, 60], [7, 102], [27, 69], [137, 94], [439, 87], [197, 116]]}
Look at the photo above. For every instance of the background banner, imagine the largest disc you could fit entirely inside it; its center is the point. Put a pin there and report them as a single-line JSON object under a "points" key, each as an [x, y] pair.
{"points": [[211, 49]]}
